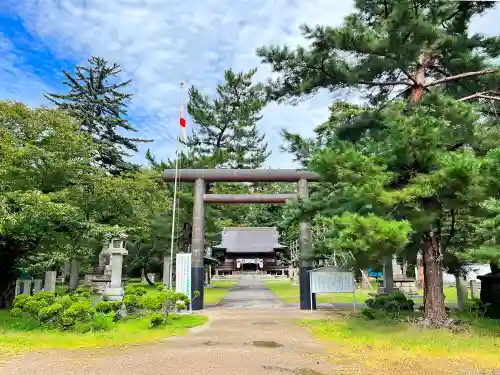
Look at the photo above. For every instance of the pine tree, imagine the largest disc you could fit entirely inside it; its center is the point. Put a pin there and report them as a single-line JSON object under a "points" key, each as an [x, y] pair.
{"points": [[227, 126], [388, 50], [96, 99]]}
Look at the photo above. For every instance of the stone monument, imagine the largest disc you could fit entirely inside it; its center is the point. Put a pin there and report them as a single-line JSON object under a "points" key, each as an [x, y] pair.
{"points": [[117, 251], [490, 291]]}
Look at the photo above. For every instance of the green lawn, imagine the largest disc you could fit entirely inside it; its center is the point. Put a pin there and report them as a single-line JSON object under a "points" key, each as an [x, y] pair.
{"points": [[287, 292], [213, 296], [20, 334], [388, 347]]}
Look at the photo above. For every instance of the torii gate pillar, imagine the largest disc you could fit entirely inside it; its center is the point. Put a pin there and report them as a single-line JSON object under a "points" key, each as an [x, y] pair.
{"points": [[201, 176]]}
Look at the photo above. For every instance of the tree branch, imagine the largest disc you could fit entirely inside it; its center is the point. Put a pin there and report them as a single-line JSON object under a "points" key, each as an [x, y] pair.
{"points": [[387, 83], [480, 95], [463, 75]]}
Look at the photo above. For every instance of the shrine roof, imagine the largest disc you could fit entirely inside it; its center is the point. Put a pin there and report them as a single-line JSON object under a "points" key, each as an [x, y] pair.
{"points": [[250, 240]]}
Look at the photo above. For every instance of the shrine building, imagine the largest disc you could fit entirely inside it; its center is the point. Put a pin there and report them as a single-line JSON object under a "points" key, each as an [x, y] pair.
{"points": [[249, 250]]}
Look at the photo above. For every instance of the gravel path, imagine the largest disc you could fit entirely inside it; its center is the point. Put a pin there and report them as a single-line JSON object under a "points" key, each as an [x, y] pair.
{"points": [[251, 333]]}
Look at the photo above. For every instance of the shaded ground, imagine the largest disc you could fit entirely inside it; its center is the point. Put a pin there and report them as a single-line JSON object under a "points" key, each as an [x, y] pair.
{"points": [[251, 333]]}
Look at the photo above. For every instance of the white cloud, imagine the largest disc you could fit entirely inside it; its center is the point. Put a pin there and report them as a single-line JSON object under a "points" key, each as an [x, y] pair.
{"points": [[159, 43], [18, 83]]}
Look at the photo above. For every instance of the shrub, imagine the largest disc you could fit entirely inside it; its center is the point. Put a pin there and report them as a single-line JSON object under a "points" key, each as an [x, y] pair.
{"points": [[105, 307], [66, 301], [48, 297], [16, 312], [137, 290], [160, 287], [156, 320], [85, 294], [369, 313], [78, 312], [21, 300], [153, 303], [50, 314], [391, 304], [131, 302]]}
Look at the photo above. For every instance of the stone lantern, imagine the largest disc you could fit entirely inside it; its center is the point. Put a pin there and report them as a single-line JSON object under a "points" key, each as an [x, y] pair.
{"points": [[116, 251]]}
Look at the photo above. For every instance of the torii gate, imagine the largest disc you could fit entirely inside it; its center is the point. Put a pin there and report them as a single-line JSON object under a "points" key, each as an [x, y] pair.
{"points": [[202, 176]]}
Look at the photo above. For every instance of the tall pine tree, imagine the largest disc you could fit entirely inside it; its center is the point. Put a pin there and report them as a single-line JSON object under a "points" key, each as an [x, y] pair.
{"points": [[397, 49], [96, 98], [227, 125]]}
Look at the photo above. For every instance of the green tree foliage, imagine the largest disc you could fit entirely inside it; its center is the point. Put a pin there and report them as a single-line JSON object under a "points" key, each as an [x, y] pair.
{"points": [[430, 162], [54, 204], [96, 98], [227, 126]]}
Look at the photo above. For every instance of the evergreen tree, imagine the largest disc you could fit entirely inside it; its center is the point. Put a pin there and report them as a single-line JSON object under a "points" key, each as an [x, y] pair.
{"points": [[96, 99], [388, 50], [227, 126]]}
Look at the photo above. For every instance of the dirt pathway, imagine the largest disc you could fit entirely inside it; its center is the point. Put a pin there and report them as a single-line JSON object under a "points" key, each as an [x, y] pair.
{"points": [[258, 338]]}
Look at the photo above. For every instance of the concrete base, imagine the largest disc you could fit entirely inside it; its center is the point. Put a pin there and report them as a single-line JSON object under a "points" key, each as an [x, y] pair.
{"points": [[197, 283], [305, 289], [114, 294]]}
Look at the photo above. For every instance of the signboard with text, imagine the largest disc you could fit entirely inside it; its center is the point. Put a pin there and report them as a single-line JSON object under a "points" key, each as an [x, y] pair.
{"points": [[332, 280], [183, 274]]}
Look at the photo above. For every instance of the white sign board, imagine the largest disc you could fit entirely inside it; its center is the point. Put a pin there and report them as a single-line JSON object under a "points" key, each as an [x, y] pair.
{"points": [[183, 274], [332, 282]]}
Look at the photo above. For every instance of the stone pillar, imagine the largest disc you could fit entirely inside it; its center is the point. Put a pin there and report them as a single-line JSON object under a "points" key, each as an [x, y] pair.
{"points": [[198, 245], [37, 286], [74, 275], [473, 289], [115, 289], [18, 288], [166, 272], [209, 274], [462, 292], [50, 281], [27, 287], [388, 274], [306, 260]]}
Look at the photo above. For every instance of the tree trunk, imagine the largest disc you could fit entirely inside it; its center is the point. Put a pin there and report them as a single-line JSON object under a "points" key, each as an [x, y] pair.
{"points": [[462, 291], [74, 276], [145, 275], [8, 276], [434, 310]]}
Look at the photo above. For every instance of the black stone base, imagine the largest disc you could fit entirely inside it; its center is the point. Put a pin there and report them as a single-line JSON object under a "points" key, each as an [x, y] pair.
{"points": [[305, 289], [197, 283]]}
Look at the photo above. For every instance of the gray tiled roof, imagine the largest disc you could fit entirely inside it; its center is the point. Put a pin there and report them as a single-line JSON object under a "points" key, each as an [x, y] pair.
{"points": [[250, 240]]}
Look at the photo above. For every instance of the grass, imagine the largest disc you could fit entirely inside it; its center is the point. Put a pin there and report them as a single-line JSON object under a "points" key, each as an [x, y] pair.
{"points": [[361, 346], [20, 335], [213, 296], [289, 293]]}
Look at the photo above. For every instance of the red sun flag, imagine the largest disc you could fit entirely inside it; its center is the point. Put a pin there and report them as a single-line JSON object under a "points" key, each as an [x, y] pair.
{"points": [[182, 122]]}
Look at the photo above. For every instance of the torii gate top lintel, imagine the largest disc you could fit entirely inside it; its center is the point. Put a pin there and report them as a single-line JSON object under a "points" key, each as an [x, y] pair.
{"points": [[239, 175]]}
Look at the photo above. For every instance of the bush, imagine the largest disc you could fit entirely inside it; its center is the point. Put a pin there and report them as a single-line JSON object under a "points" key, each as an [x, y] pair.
{"points": [[85, 294], [51, 314], [137, 290], [369, 313], [156, 320], [105, 307], [79, 312], [48, 297], [131, 302], [153, 303], [391, 304], [160, 287]]}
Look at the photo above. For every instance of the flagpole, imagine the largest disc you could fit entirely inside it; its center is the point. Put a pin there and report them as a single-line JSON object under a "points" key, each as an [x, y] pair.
{"points": [[174, 206]]}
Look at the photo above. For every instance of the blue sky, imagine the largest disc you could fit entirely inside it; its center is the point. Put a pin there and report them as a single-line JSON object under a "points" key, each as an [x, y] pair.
{"points": [[160, 43]]}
